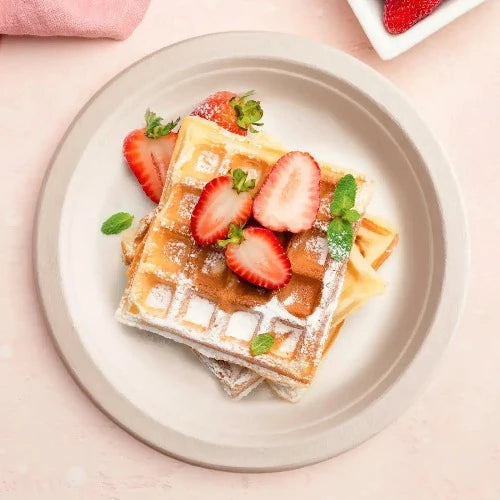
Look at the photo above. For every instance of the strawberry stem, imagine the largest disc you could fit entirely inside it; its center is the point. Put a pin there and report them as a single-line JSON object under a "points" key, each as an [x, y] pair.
{"points": [[248, 113], [154, 127], [240, 183], [235, 235]]}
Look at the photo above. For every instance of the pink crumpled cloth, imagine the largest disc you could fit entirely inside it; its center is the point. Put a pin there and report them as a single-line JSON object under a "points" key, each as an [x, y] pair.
{"points": [[88, 18]]}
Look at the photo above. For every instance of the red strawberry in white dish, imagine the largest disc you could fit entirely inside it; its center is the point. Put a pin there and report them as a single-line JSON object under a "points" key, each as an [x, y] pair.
{"points": [[223, 200], [231, 111], [148, 152], [401, 15], [289, 198], [256, 255]]}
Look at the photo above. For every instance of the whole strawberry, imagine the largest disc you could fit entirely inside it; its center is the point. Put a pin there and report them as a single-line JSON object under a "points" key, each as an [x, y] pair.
{"points": [[400, 15], [231, 111]]}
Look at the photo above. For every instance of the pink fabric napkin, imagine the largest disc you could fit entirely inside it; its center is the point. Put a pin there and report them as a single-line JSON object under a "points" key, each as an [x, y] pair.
{"points": [[89, 18]]}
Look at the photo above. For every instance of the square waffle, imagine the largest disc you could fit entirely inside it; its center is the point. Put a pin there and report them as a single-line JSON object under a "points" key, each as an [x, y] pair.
{"points": [[186, 293], [373, 245]]}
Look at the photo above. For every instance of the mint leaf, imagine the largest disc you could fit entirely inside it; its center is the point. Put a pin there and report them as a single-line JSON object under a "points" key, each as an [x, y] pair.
{"points": [[344, 195], [340, 235], [262, 344], [351, 215], [154, 127], [117, 223], [340, 232]]}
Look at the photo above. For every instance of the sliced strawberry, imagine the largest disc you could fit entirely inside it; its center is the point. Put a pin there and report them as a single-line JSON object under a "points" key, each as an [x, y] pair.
{"points": [[289, 198], [231, 111], [223, 200], [148, 152], [256, 255]]}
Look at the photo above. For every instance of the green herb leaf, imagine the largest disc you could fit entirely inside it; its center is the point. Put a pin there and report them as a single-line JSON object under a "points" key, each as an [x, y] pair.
{"points": [[235, 235], [248, 113], [117, 223], [340, 235], [154, 127], [344, 195], [340, 232], [240, 183], [262, 344], [351, 215]]}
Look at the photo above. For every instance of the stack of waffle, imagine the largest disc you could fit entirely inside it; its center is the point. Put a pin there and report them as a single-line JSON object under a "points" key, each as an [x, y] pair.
{"points": [[186, 292]]}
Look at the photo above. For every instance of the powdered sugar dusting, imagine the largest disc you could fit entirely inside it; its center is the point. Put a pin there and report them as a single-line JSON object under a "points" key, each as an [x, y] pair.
{"points": [[174, 251], [187, 204], [225, 166], [319, 246], [324, 206], [291, 338], [291, 299], [207, 162], [275, 309], [252, 172], [215, 263], [159, 297], [242, 325], [199, 311]]}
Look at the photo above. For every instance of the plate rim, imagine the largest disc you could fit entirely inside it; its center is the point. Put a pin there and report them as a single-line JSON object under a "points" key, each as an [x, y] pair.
{"points": [[388, 407]]}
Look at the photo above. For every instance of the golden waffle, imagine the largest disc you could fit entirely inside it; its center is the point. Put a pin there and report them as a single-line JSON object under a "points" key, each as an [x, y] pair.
{"points": [[236, 380], [374, 244], [187, 293]]}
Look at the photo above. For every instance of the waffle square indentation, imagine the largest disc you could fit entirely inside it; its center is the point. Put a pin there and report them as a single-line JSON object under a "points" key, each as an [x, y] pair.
{"points": [[242, 325], [301, 296], [153, 295], [179, 207], [166, 253], [308, 253], [206, 162], [197, 312], [287, 337]]}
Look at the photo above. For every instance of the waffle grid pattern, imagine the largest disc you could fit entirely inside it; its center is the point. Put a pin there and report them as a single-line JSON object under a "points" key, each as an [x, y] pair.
{"points": [[187, 293]]}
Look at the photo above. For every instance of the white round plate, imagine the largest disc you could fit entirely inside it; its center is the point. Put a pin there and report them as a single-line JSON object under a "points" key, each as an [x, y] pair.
{"points": [[315, 99]]}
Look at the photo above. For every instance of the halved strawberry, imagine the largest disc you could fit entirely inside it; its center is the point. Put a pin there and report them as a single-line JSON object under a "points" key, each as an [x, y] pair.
{"points": [[289, 198], [256, 255], [148, 152], [231, 111], [223, 200]]}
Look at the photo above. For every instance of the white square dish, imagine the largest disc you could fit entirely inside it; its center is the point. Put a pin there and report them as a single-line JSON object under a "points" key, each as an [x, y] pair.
{"points": [[370, 16]]}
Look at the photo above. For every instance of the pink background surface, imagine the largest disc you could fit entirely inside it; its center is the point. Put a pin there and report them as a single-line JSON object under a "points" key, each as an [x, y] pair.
{"points": [[54, 444]]}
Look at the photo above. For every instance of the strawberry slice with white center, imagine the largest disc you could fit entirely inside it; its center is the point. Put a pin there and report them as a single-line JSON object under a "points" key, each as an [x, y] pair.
{"points": [[289, 198], [224, 200], [148, 152], [256, 255]]}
